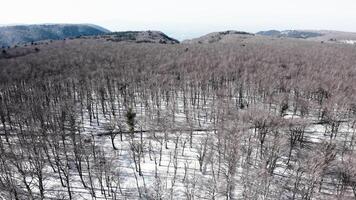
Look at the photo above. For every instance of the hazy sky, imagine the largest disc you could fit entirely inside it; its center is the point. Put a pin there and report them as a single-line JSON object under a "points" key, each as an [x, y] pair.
{"points": [[186, 18]]}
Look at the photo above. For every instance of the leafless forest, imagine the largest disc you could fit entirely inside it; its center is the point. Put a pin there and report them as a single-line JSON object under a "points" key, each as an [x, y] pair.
{"points": [[260, 119]]}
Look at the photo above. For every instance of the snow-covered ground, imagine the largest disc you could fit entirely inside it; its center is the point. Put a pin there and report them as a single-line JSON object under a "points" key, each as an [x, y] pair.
{"points": [[348, 41], [182, 154]]}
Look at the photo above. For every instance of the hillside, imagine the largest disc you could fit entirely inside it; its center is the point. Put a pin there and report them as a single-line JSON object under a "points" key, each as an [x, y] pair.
{"points": [[290, 34], [223, 36], [140, 37], [241, 117], [156, 37], [336, 36], [314, 35], [21, 34]]}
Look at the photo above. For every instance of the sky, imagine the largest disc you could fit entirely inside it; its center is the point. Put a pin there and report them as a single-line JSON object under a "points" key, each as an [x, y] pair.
{"points": [[184, 19]]}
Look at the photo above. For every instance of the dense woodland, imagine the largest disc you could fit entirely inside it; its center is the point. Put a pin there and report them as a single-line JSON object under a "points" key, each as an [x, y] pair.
{"points": [[94, 119]]}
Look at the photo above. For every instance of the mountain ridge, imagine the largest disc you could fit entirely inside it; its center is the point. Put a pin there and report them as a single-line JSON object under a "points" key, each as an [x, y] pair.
{"points": [[221, 36], [22, 34], [149, 36], [314, 35]]}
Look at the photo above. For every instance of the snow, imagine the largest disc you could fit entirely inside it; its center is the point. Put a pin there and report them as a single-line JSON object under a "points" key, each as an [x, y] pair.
{"points": [[348, 41], [178, 175]]}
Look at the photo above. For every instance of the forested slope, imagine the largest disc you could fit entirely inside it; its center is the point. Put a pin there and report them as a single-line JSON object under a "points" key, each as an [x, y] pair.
{"points": [[22, 34], [250, 119]]}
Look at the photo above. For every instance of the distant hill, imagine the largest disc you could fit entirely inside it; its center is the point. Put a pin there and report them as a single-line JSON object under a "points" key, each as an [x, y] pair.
{"points": [[21, 34], [290, 34], [223, 36], [140, 37], [154, 37], [315, 35]]}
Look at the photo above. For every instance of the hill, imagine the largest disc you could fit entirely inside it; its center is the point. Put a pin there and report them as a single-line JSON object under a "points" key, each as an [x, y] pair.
{"points": [[156, 37], [290, 34], [140, 37], [21, 34], [223, 36], [315, 35]]}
